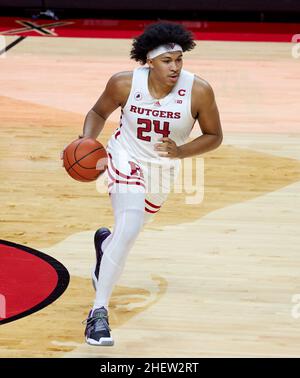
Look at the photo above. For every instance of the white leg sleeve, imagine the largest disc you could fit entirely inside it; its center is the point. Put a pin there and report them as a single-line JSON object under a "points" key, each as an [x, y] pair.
{"points": [[129, 221]]}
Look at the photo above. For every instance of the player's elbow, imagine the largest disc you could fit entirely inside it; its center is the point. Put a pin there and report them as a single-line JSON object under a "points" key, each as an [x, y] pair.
{"points": [[219, 139]]}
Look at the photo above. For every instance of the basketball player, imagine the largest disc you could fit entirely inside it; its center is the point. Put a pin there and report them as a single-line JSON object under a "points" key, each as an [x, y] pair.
{"points": [[159, 104]]}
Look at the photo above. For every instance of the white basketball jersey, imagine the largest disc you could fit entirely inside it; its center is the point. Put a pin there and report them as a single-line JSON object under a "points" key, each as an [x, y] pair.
{"points": [[144, 119]]}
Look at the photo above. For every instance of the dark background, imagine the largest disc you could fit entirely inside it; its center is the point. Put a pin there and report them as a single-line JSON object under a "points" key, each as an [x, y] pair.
{"points": [[214, 10]]}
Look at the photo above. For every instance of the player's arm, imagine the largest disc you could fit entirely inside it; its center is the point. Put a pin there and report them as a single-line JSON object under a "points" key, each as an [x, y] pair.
{"points": [[205, 110], [115, 94]]}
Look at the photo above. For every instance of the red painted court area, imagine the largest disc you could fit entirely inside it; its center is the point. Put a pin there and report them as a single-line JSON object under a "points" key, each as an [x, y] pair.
{"points": [[203, 30], [29, 281], [26, 280]]}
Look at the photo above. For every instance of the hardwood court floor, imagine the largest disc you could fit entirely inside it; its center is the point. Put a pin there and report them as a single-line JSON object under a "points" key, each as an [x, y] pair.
{"points": [[215, 278]]}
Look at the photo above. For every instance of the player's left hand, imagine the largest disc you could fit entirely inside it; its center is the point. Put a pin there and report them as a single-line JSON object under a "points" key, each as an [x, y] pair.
{"points": [[168, 148]]}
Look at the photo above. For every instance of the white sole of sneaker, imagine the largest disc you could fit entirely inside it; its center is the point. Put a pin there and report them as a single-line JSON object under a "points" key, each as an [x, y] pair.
{"points": [[104, 341]]}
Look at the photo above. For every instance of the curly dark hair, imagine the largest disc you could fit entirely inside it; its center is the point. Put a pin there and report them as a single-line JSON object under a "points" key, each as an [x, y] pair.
{"points": [[158, 34]]}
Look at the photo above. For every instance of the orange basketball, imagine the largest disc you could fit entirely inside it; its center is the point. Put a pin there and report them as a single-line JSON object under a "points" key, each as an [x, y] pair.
{"points": [[85, 159]]}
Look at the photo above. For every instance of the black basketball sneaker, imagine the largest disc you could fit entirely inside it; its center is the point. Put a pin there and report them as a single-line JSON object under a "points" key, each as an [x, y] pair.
{"points": [[97, 331]]}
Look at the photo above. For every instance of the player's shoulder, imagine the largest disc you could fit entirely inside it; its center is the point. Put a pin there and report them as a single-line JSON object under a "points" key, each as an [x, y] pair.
{"points": [[122, 78], [202, 91], [119, 85], [201, 87]]}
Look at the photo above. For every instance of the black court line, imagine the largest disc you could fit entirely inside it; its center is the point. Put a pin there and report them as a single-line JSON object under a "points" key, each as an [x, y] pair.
{"points": [[30, 28], [36, 27], [14, 43]]}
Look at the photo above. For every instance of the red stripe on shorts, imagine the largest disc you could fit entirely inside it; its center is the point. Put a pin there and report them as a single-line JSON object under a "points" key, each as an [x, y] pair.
{"points": [[152, 205], [141, 182], [151, 211], [115, 181], [127, 183]]}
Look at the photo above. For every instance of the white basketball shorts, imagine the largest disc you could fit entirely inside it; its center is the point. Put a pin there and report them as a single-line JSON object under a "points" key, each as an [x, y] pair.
{"points": [[130, 175]]}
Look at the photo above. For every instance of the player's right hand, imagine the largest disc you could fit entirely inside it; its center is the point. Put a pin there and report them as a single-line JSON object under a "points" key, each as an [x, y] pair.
{"points": [[62, 156], [63, 151]]}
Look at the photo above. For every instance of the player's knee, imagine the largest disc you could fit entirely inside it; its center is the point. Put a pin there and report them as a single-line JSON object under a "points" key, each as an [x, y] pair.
{"points": [[132, 227]]}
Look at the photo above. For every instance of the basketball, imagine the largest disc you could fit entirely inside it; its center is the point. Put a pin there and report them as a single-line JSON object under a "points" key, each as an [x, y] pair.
{"points": [[85, 159]]}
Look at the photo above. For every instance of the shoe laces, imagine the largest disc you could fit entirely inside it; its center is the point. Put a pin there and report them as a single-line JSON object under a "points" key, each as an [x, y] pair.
{"points": [[100, 319]]}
